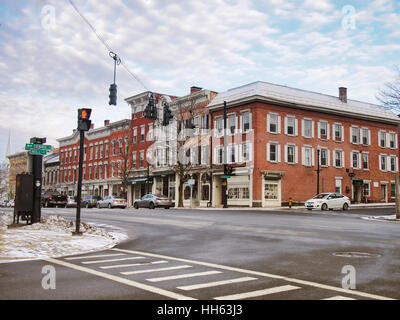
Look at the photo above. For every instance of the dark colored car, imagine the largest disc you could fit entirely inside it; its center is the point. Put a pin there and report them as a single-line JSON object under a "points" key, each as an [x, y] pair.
{"points": [[152, 201], [53, 198], [90, 201]]}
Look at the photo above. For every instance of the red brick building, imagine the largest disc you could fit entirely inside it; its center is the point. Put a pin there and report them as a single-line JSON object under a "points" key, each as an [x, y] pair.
{"points": [[277, 135], [105, 158]]}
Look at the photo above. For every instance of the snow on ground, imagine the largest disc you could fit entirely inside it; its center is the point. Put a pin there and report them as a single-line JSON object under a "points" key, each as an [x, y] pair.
{"points": [[51, 238], [383, 218]]}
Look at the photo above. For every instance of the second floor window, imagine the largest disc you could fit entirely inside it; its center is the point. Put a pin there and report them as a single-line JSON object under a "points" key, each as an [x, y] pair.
{"points": [[354, 135], [307, 128], [246, 118], [382, 139], [365, 159], [338, 132]]}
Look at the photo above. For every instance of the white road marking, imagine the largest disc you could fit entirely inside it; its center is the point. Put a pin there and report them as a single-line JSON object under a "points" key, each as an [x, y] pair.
{"points": [[127, 282], [134, 264], [127, 273], [215, 283], [259, 274], [183, 276], [97, 256], [339, 298], [257, 293], [112, 260]]}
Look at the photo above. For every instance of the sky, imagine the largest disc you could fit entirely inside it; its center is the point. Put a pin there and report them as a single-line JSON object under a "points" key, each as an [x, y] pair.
{"points": [[51, 62]]}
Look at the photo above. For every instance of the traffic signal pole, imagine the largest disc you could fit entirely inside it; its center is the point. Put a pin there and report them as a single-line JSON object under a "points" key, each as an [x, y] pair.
{"points": [[225, 179], [79, 193]]}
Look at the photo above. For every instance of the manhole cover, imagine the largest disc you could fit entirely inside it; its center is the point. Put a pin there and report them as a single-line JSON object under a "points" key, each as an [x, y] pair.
{"points": [[356, 255]]}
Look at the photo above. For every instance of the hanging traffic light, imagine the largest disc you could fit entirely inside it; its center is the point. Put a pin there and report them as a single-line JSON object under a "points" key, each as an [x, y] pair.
{"points": [[167, 114], [83, 119], [113, 95], [150, 112]]}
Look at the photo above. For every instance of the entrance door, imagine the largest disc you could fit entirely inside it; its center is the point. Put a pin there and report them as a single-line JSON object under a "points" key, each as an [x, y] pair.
{"points": [[384, 192], [357, 192]]}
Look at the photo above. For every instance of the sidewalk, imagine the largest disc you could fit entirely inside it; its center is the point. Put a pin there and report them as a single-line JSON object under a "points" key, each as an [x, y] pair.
{"points": [[354, 206], [51, 239]]}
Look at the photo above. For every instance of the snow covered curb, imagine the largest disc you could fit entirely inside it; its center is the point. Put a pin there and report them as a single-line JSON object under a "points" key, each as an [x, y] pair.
{"points": [[51, 238], [391, 218]]}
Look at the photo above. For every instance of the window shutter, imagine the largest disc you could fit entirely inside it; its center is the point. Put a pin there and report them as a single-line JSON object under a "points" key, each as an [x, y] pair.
{"points": [[236, 125], [251, 122], [268, 152], [342, 129], [279, 124], [396, 141], [303, 160], [241, 124], [312, 129], [279, 152], [250, 146], [319, 130], [268, 122], [329, 157], [302, 127], [388, 164], [327, 131], [296, 154], [369, 137], [285, 124], [397, 164], [312, 156], [296, 127], [387, 140], [285, 153]]}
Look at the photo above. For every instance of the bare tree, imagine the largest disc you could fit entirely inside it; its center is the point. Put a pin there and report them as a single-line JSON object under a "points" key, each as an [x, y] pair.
{"points": [[390, 95], [123, 169]]}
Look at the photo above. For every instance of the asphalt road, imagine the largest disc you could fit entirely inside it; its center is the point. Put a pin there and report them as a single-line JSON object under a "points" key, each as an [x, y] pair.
{"points": [[215, 254]]}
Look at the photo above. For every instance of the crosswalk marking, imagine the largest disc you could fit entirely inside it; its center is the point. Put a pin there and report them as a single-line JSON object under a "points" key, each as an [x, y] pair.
{"points": [[97, 256], [112, 260], [257, 293], [127, 273], [125, 281], [339, 298], [215, 283], [182, 276], [258, 274], [134, 264]]}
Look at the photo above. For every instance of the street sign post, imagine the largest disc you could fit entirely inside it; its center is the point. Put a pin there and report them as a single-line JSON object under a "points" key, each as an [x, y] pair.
{"points": [[38, 152], [30, 146]]}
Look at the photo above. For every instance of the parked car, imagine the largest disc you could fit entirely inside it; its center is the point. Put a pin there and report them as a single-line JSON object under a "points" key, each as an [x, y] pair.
{"points": [[330, 200], [10, 203], [111, 202], [152, 201], [71, 203], [90, 201], [3, 203], [53, 198]]}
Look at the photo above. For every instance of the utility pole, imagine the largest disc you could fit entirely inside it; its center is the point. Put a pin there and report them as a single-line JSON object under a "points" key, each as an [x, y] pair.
{"points": [[225, 179], [318, 170], [83, 125]]}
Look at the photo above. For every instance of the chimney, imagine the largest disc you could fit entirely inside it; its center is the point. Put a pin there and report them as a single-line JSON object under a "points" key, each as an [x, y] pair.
{"points": [[106, 122], [343, 94], [195, 89], [92, 126]]}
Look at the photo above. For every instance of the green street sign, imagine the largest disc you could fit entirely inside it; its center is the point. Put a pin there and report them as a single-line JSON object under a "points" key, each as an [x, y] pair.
{"points": [[225, 177], [29, 146], [40, 152]]}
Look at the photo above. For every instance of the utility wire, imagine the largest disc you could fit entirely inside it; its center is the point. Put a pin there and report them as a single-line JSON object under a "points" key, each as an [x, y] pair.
{"points": [[106, 44]]}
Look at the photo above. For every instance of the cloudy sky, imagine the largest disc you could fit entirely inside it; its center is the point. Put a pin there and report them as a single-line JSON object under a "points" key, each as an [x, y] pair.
{"points": [[51, 63]]}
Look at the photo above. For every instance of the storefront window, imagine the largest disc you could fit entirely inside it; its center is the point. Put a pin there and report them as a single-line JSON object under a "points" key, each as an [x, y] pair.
{"points": [[238, 193], [271, 191], [205, 192]]}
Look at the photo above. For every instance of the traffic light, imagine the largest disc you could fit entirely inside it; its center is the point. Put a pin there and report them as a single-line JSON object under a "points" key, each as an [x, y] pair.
{"points": [[167, 115], [83, 119], [113, 95], [150, 112]]}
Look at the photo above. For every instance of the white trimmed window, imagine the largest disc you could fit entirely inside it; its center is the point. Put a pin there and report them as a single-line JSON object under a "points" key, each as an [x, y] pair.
{"points": [[367, 188], [393, 163], [219, 125], [150, 134], [246, 121], [323, 130], [392, 143], [324, 157], [273, 123], [142, 133], [382, 139], [134, 139], [338, 132], [338, 185], [365, 136], [365, 160], [383, 162], [354, 134], [273, 152], [355, 159], [291, 154], [246, 152], [307, 156], [338, 158], [291, 125], [205, 154], [307, 128], [232, 124], [134, 157]]}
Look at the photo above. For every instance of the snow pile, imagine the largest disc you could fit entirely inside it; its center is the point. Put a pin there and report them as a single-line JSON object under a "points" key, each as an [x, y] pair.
{"points": [[384, 218], [51, 238]]}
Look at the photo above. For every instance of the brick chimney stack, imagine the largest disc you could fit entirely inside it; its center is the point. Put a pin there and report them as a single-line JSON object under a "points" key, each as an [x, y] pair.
{"points": [[106, 122], [92, 126], [195, 89], [343, 94]]}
